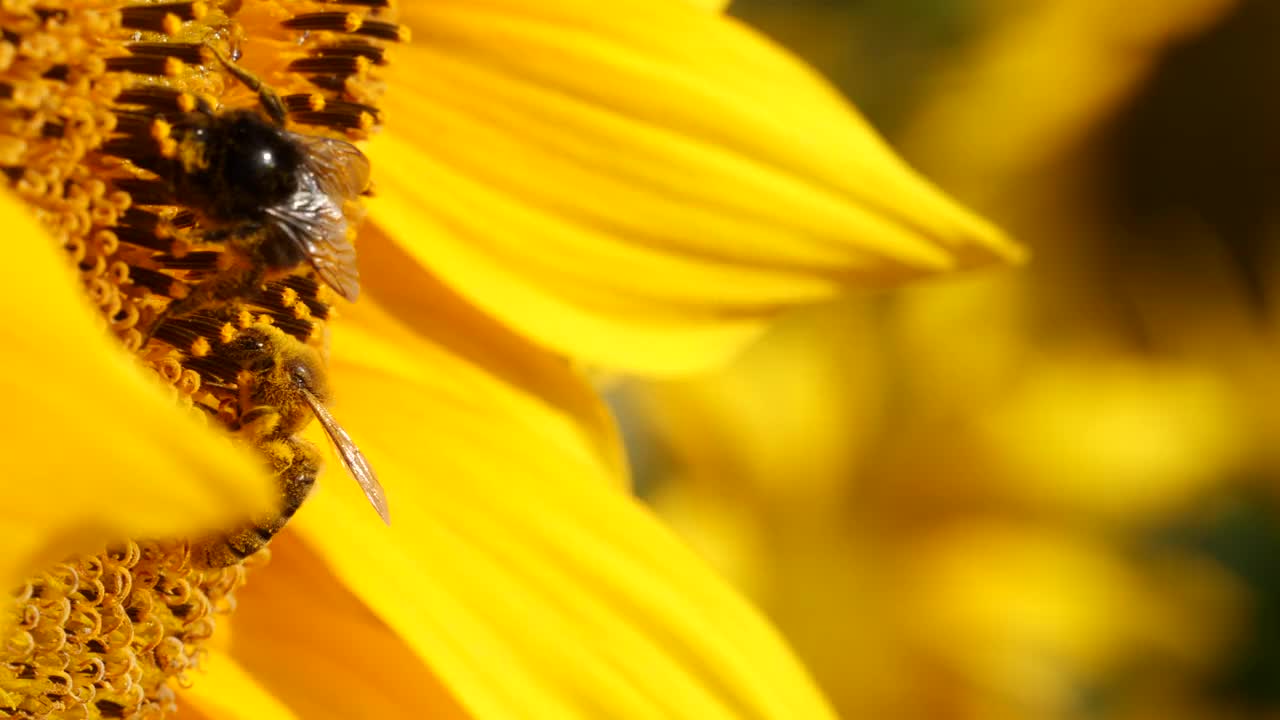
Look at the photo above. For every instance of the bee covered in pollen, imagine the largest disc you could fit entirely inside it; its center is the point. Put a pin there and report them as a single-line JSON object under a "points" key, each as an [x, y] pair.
{"points": [[281, 385]]}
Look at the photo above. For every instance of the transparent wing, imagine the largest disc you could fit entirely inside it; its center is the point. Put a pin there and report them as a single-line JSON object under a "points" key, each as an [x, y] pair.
{"points": [[341, 170], [314, 221], [352, 458]]}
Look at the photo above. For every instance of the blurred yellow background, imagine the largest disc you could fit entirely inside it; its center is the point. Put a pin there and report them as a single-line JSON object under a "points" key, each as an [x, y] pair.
{"points": [[1044, 492]]}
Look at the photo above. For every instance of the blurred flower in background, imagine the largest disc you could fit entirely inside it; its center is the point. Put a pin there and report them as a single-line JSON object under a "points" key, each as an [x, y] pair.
{"points": [[1042, 493]]}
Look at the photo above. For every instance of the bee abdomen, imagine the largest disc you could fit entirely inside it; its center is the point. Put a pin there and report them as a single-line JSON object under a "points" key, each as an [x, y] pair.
{"points": [[296, 463]]}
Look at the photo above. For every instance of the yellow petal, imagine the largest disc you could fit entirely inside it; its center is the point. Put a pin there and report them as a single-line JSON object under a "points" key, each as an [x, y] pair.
{"points": [[788, 420], [328, 657], [411, 304], [95, 448], [642, 186], [1160, 435], [715, 5], [224, 690], [997, 119], [531, 587], [1010, 603]]}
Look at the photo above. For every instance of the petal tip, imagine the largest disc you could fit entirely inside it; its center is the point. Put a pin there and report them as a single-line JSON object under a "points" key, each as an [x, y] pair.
{"points": [[981, 243]]}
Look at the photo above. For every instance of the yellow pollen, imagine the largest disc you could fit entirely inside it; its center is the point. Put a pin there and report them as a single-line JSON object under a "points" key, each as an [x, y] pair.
{"points": [[161, 130], [200, 348], [326, 295], [172, 25]]}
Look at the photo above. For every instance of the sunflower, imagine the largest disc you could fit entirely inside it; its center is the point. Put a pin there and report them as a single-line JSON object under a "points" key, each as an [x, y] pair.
{"points": [[558, 187]]}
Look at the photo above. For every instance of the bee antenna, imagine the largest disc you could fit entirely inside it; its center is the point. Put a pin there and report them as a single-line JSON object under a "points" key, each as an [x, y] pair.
{"points": [[270, 101]]}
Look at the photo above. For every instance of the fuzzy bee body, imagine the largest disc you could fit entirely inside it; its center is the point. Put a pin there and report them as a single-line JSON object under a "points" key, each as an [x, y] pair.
{"points": [[281, 385]]}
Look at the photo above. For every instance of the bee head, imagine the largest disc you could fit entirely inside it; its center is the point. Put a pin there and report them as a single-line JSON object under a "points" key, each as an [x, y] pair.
{"points": [[303, 373], [279, 372]]}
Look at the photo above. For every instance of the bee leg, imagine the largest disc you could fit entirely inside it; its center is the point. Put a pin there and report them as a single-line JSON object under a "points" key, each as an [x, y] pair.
{"points": [[260, 422], [296, 463], [269, 99]]}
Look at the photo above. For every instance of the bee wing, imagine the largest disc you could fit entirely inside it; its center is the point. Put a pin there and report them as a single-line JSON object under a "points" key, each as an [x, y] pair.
{"points": [[340, 168], [352, 458], [313, 221]]}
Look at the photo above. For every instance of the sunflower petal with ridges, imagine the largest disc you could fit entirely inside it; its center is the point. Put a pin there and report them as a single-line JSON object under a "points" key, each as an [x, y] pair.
{"points": [[275, 641], [651, 168], [530, 586], [226, 691], [417, 305]]}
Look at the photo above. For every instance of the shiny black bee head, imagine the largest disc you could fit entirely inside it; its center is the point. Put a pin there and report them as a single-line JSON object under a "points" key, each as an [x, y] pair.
{"points": [[240, 164]]}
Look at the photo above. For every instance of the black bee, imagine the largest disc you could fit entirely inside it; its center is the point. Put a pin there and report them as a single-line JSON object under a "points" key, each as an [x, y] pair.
{"points": [[276, 198]]}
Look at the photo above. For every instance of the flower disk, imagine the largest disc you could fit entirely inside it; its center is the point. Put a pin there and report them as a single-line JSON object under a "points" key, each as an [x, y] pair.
{"points": [[94, 97], [103, 634]]}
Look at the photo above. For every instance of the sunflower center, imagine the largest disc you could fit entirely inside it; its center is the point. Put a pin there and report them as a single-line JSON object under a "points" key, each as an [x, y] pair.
{"points": [[118, 126], [104, 634]]}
